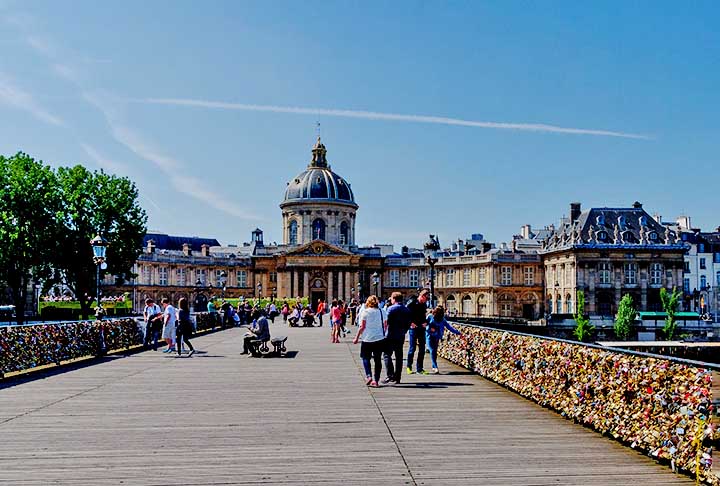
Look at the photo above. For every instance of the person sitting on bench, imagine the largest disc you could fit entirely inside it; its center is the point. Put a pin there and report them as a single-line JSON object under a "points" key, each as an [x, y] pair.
{"points": [[308, 317], [260, 332]]}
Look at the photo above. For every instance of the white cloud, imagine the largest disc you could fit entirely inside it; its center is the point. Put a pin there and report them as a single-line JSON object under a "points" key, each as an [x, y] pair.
{"points": [[373, 115], [172, 168], [14, 96], [104, 162]]}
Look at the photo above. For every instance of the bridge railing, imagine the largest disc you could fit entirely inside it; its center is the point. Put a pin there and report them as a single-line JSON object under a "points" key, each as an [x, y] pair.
{"points": [[662, 406], [31, 346]]}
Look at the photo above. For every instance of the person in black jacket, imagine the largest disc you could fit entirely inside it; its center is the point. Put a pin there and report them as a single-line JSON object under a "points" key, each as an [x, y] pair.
{"points": [[418, 323], [398, 319]]}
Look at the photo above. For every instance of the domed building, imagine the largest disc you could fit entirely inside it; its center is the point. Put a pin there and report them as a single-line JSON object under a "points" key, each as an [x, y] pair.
{"points": [[319, 205]]}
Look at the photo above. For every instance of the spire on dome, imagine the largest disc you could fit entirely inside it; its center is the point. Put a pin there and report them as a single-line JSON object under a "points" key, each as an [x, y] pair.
{"points": [[318, 158]]}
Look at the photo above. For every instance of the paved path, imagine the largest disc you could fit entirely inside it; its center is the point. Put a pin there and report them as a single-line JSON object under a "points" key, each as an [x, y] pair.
{"points": [[220, 418]]}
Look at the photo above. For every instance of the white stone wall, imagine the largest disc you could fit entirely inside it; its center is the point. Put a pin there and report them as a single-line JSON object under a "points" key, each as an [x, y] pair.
{"points": [[332, 214]]}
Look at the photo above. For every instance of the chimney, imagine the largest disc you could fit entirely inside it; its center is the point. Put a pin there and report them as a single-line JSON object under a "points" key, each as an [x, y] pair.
{"points": [[151, 246], [486, 247], [657, 217], [637, 205], [574, 211], [405, 250], [205, 250], [187, 250], [525, 231]]}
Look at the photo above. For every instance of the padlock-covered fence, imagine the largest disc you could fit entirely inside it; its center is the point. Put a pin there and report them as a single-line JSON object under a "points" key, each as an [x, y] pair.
{"points": [[660, 406], [26, 347]]}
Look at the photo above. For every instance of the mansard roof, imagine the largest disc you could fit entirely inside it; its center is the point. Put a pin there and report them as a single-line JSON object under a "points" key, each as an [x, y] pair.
{"points": [[627, 228], [167, 242]]}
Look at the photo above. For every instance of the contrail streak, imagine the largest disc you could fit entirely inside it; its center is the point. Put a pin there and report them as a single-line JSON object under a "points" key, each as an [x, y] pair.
{"points": [[373, 115]]}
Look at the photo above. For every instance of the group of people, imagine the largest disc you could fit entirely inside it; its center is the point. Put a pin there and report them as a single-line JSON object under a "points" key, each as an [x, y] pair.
{"points": [[174, 325], [382, 333]]}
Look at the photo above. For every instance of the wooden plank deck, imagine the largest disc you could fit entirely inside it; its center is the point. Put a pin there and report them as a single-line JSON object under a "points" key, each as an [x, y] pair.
{"points": [[220, 418]]}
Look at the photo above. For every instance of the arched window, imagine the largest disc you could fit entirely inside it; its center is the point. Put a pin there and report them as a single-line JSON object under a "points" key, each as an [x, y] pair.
{"points": [[569, 305], [467, 305], [318, 229], [703, 282], [344, 236], [292, 233], [451, 305]]}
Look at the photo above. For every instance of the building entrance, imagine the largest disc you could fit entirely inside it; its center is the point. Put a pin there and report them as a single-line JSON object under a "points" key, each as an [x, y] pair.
{"points": [[316, 296]]}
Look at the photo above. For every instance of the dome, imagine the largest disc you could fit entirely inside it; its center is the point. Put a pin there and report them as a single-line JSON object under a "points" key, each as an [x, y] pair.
{"points": [[319, 183]]}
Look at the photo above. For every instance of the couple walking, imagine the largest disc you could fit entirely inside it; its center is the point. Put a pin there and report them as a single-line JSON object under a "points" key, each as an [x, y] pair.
{"points": [[384, 333]]}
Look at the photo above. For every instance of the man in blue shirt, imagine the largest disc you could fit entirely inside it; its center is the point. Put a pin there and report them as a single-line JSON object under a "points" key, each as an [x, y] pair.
{"points": [[398, 319]]}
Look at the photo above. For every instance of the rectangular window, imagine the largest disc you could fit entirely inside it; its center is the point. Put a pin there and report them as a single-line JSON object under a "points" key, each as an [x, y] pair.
{"points": [[414, 278], [180, 276], [630, 273], [529, 274], [686, 285], [163, 274], [242, 278], [703, 282], [716, 257], [450, 277], [505, 275], [568, 275], [467, 277], [147, 275], [701, 248], [656, 273], [702, 264], [482, 276], [273, 277], [506, 310], [717, 279], [686, 267], [604, 273], [394, 278], [218, 278], [202, 276]]}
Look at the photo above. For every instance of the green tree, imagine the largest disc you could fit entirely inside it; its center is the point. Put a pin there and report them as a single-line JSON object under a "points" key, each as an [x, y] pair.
{"points": [[670, 303], [97, 203], [625, 317], [583, 329], [29, 205]]}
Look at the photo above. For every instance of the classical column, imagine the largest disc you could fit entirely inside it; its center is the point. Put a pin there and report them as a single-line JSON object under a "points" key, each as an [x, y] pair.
{"points": [[295, 290], [348, 285], [341, 285], [306, 284], [330, 293]]}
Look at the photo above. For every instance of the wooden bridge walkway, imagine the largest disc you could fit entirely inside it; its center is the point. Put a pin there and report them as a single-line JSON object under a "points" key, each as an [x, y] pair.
{"points": [[220, 418]]}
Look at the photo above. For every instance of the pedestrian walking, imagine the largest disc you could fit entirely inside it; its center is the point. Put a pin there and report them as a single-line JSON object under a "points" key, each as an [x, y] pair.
{"points": [[373, 327], [183, 327], [321, 311], [336, 320], [169, 319], [416, 334], [435, 329], [152, 313], [398, 322]]}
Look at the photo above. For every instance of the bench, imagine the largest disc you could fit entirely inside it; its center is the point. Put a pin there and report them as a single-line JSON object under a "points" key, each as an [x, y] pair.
{"points": [[278, 345], [257, 347]]}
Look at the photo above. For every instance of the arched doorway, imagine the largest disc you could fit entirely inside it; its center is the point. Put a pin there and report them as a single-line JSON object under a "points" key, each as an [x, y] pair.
{"points": [[318, 291], [200, 303], [467, 306], [451, 305]]}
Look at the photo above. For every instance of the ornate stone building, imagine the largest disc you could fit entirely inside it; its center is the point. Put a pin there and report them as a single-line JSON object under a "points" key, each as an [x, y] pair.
{"points": [[607, 253]]}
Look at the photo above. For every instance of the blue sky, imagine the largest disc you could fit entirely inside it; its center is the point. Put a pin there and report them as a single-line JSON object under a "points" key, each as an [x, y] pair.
{"points": [[626, 93]]}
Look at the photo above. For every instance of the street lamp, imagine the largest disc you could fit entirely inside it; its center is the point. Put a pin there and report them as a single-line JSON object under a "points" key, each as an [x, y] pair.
{"points": [[259, 288], [375, 282], [222, 281], [352, 293], [360, 291], [272, 296], [99, 246], [430, 249]]}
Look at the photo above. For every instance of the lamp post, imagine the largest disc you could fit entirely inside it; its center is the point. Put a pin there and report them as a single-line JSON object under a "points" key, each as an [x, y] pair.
{"points": [[99, 246], [375, 282], [430, 249], [259, 291], [360, 291], [352, 293], [222, 281], [272, 296]]}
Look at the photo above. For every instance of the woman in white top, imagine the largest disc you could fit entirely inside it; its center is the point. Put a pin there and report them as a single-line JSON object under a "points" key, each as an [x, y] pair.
{"points": [[373, 328]]}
